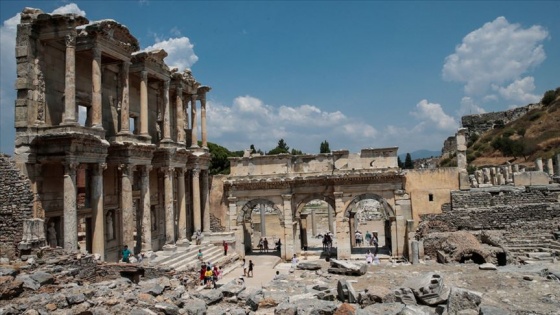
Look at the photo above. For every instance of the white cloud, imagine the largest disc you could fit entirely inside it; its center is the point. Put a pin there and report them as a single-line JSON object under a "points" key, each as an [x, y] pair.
{"points": [[250, 121], [519, 91], [69, 8], [470, 107], [433, 114], [180, 52], [497, 53]]}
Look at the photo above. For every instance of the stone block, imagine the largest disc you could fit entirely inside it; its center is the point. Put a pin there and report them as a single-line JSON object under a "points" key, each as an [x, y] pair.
{"points": [[405, 296], [428, 288], [462, 299], [530, 178], [22, 51]]}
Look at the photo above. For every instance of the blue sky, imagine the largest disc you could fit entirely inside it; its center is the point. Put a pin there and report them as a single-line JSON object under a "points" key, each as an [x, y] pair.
{"points": [[357, 74]]}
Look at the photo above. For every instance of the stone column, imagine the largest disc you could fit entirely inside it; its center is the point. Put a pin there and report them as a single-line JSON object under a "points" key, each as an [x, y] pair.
{"points": [[128, 224], [203, 120], [304, 229], [314, 223], [144, 104], [166, 113], [461, 149], [96, 108], [263, 220], [558, 164], [98, 217], [146, 209], [70, 210], [342, 234], [70, 82], [515, 168], [181, 201], [168, 202], [179, 116], [194, 126], [550, 167], [538, 164], [288, 249], [232, 215], [196, 199], [206, 196], [125, 101], [330, 219]]}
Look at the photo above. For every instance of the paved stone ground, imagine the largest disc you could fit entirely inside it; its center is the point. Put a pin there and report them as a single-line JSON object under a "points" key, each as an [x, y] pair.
{"points": [[264, 270]]}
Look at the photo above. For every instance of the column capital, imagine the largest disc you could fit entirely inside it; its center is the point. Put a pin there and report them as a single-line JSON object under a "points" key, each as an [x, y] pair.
{"points": [[167, 170], [70, 40], [144, 74], [232, 199], [70, 167], [166, 83], [287, 197], [127, 169], [338, 194], [147, 169], [99, 168], [196, 172], [96, 51], [180, 171]]}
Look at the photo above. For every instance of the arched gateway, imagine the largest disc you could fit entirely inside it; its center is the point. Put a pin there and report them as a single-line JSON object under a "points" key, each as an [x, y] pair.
{"points": [[345, 182]]}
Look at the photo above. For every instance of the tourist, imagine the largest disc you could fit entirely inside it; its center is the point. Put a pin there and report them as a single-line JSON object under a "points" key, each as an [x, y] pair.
{"points": [[294, 261], [375, 259], [369, 257], [202, 274], [265, 244], [368, 238], [375, 243], [216, 273], [261, 245], [126, 254], [358, 237], [251, 266], [208, 277], [198, 237], [244, 268], [277, 276], [199, 255], [278, 245], [225, 244]]}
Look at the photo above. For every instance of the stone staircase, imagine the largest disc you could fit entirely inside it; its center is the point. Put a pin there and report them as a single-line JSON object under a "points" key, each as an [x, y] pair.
{"points": [[185, 257], [535, 247]]}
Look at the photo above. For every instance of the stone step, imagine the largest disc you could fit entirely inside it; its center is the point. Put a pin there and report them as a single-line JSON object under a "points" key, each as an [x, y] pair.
{"points": [[539, 255], [191, 261], [166, 258]]}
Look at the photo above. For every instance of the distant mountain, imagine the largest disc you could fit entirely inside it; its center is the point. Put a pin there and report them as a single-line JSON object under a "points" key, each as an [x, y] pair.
{"points": [[420, 154]]}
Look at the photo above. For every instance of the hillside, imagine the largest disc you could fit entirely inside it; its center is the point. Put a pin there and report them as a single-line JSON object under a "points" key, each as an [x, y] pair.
{"points": [[535, 134]]}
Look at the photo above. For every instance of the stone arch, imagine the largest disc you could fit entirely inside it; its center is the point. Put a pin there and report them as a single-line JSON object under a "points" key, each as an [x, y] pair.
{"points": [[476, 255], [388, 211], [245, 214], [299, 206]]}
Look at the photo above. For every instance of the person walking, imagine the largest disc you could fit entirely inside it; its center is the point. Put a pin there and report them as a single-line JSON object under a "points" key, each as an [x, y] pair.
{"points": [[261, 245], [126, 254], [199, 255], [225, 244], [294, 261], [244, 268], [265, 244], [251, 266]]}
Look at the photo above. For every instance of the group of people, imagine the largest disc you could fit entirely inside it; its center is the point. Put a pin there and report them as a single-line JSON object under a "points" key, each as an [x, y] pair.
{"points": [[372, 258], [248, 269], [370, 239], [210, 274], [263, 245], [327, 241], [127, 253]]}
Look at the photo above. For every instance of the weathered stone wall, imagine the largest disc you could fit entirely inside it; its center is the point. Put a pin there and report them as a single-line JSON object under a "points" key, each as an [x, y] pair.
{"points": [[533, 209], [16, 204], [422, 183], [479, 123], [218, 204]]}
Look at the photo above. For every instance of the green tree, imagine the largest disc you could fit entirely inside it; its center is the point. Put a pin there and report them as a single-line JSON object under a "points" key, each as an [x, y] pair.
{"points": [[296, 152], [399, 162], [548, 97], [408, 164], [324, 147], [282, 147], [219, 163]]}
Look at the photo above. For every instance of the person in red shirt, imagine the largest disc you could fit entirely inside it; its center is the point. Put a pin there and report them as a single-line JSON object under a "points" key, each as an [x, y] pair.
{"points": [[225, 247]]}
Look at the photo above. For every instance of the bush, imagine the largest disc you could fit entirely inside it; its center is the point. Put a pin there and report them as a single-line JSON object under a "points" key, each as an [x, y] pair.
{"points": [[521, 132], [549, 97], [508, 133], [535, 116]]}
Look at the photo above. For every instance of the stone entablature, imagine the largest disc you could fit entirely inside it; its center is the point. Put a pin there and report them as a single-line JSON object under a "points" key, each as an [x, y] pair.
{"points": [[377, 160]]}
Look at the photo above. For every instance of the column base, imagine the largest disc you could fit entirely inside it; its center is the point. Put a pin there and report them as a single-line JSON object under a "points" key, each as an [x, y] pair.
{"points": [[69, 123], [183, 243], [169, 248], [124, 133]]}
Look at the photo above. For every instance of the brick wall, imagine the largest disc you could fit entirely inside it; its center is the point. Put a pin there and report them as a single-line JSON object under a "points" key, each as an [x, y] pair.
{"points": [[16, 204]]}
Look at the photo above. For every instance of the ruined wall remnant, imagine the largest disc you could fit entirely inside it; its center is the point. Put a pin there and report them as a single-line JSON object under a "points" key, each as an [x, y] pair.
{"points": [[16, 205], [480, 123], [532, 208]]}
